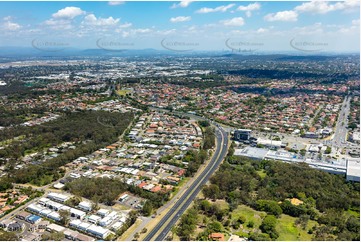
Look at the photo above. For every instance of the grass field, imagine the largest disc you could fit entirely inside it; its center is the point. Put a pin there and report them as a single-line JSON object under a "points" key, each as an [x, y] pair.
{"points": [[289, 232], [130, 230], [222, 204], [122, 92], [285, 224], [250, 215]]}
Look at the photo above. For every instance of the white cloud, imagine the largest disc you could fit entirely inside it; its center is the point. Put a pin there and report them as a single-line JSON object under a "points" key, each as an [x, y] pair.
{"points": [[7, 18], [356, 22], [90, 19], [180, 19], [68, 13], [321, 7], [182, 4], [141, 31], [286, 16], [233, 22], [114, 3], [249, 8], [58, 24], [222, 8], [261, 31], [125, 25], [10, 26]]}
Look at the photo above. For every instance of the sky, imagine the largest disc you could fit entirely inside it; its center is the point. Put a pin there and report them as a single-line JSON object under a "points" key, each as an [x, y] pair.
{"points": [[239, 26]]}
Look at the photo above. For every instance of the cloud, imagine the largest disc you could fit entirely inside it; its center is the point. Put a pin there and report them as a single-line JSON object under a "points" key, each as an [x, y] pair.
{"points": [[222, 8], [125, 25], [7, 18], [286, 16], [57, 24], [90, 19], [321, 7], [233, 22], [114, 3], [68, 13], [249, 8], [182, 4], [356, 22], [10, 26], [180, 19], [261, 31]]}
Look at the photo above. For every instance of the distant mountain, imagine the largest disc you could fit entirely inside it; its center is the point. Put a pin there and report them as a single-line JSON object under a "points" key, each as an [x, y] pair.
{"points": [[11, 51]]}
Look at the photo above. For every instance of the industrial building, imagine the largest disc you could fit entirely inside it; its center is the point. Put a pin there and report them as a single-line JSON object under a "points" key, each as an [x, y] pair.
{"points": [[350, 168], [353, 169]]}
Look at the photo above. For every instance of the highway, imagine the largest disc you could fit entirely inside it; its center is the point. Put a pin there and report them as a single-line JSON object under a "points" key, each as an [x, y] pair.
{"points": [[339, 138], [160, 231]]}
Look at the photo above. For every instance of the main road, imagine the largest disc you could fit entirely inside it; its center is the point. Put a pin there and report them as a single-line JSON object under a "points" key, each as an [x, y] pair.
{"points": [[339, 138], [161, 230]]}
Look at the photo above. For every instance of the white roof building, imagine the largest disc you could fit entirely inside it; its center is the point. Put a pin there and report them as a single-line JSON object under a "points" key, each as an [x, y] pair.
{"points": [[105, 221], [353, 169], [35, 208], [98, 231], [59, 185], [117, 226], [54, 216], [269, 143], [45, 212], [43, 201], [84, 205], [113, 215], [65, 208], [75, 223], [94, 219], [77, 213], [55, 228], [58, 197], [103, 212], [54, 205], [84, 226]]}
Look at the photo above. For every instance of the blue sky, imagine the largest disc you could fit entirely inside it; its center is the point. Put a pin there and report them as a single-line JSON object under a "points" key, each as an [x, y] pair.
{"points": [[216, 25]]}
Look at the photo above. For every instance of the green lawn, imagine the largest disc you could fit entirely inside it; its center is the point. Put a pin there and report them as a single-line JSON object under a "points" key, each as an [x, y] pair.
{"points": [[288, 232], [122, 92], [261, 173], [285, 224], [250, 214], [222, 204]]}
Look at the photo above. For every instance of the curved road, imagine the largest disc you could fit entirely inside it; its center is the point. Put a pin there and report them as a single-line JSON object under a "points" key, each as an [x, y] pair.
{"points": [[165, 224]]}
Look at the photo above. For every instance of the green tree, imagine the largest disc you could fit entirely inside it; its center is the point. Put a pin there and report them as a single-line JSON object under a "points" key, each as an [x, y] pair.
{"points": [[302, 221], [212, 191], [8, 236], [147, 208], [64, 217], [215, 226], [268, 226]]}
